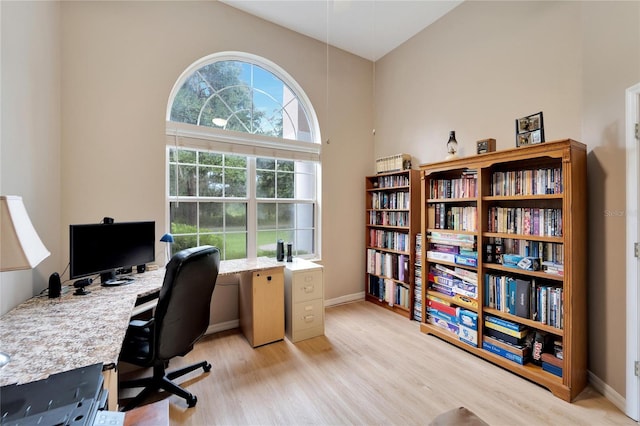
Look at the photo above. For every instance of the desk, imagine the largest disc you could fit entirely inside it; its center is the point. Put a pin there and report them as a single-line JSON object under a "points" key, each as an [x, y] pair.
{"points": [[47, 336]]}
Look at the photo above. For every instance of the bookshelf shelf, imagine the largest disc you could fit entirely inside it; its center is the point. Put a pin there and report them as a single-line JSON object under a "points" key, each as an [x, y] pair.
{"points": [[538, 274], [527, 198], [534, 324], [530, 290], [542, 238], [392, 216]]}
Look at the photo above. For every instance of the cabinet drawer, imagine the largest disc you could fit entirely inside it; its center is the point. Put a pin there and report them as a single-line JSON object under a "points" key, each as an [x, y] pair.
{"points": [[307, 285], [308, 314]]}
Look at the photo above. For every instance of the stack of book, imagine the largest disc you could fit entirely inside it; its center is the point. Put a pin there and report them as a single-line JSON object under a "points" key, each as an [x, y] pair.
{"points": [[454, 248], [442, 314], [507, 339], [417, 283], [453, 281], [459, 321], [552, 364]]}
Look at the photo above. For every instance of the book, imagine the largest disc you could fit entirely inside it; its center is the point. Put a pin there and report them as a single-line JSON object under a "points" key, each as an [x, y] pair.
{"points": [[504, 337], [466, 260], [449, 310], [503, 353], [519, 334], [550, 368], [505, 323], [551, 359], [445, 257], [522, 350], [523, 293]]}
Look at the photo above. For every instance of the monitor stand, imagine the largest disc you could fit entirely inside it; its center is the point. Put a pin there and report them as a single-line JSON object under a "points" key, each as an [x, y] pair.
{"points": [[111, 279]]}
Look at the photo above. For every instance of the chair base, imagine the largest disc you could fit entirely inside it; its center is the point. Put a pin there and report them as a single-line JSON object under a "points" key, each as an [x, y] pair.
{"points": [[162, 380]]}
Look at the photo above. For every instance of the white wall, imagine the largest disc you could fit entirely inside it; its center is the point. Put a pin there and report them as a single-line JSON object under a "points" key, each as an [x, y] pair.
{"points": [[486, 63], [120, 61], [30, 133]]}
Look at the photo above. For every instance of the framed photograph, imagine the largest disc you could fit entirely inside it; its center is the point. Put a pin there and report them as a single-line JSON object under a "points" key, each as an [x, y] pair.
{"points": [[486, 145], [529, 130]]}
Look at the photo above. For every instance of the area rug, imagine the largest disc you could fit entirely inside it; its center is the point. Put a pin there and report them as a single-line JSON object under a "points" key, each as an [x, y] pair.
{"points": [[459, 417]]}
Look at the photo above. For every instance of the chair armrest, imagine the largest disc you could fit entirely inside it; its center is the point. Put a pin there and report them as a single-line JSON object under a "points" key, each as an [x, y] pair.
{"points": [[139, 324]]}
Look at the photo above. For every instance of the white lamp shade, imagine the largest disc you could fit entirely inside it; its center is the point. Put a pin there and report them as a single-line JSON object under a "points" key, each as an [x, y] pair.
{"points": [[20, 246]]}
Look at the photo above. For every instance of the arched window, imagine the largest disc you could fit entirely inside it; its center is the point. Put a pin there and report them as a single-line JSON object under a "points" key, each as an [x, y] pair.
{"points": [[243, 159]]}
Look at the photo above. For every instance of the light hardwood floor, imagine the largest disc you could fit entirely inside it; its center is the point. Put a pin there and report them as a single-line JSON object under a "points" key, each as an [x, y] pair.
{"points": [[371, 367]]}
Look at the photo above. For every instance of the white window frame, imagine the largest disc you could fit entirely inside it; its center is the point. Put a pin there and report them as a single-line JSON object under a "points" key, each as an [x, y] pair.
{"points": [[185, 135]]}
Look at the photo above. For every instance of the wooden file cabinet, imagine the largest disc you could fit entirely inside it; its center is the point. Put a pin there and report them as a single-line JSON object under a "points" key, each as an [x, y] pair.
{"points": [[262, 306], [304, 300]]}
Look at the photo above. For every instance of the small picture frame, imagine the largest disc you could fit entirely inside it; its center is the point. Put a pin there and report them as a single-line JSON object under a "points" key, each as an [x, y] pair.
{"points": [[485, 145], [529, 130]]}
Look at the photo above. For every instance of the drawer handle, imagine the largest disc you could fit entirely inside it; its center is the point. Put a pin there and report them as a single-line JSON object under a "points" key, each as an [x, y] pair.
{"points": [[308, 289], [308, 318]]}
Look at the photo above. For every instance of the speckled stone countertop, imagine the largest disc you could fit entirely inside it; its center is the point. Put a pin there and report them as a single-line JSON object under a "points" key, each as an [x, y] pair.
{"points": [[46, 336]]}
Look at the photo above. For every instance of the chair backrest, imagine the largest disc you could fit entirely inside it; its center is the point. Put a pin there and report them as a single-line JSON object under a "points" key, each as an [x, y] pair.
{"points": [[182, 313]]}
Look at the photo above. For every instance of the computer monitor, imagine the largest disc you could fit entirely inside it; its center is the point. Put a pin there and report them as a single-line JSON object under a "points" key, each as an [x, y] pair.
{"points": [[104, 248]]}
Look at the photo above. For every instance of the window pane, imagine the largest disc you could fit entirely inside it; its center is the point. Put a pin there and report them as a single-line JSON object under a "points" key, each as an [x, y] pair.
{"points": [[285, 185], [265, 164], [304, 242], [211, 219], [186, 156], [266, 216], [235, 183], [186, 180], [235, 161], [181, 242], [210, 182], [267, 243], [235, 245], [183, 216], [305, 186], [250, 99], [235, 216], [214, 240], [304, 215], [286, 236], [284, 165], [172, 180], [285, 216], [265, 184], [210, 158]]}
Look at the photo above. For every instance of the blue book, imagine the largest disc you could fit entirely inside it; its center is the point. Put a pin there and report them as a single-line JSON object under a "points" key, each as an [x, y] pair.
{"points": [[550, 368], [511, 296], [502, 352], [503, 322]]}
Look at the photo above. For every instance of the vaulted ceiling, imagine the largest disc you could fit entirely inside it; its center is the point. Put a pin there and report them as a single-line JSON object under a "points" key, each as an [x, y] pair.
{"points": [[367, 28]]}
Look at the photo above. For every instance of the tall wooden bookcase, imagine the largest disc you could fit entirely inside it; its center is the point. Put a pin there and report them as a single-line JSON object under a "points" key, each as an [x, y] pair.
{"points": [[392, 221], [505, 203]]}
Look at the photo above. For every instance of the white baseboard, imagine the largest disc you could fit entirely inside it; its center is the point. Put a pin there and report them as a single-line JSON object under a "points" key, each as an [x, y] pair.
{"points": [[228, 325], [222, 326], [356, 297], [607, 391]]}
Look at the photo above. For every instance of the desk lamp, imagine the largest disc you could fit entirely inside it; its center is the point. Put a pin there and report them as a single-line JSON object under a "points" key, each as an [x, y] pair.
{"points": [[167, 238], [20, 246]]}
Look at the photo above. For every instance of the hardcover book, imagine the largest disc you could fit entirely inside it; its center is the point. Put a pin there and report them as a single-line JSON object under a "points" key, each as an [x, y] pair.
{"points": [[523, 294]]}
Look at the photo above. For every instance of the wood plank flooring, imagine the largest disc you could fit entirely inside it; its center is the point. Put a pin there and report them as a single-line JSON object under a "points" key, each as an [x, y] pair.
{"points": [[371, 367]]}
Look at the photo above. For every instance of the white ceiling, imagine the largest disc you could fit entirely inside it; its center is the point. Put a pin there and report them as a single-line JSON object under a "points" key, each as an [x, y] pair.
{"points": [[367, 28]]}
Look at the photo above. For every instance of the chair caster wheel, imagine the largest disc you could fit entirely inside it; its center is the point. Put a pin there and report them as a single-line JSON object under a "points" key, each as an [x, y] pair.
{"points": [[192, 401], [207, 368]]}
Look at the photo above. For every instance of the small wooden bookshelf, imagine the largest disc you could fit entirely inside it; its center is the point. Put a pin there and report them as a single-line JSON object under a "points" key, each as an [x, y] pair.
{"points": [[525, 215], [392, 220]]}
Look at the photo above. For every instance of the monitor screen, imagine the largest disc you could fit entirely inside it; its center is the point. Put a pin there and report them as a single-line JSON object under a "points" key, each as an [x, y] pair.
{"points": [[104, 248]]}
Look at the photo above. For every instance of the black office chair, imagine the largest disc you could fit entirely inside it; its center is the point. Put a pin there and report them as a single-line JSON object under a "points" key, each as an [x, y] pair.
{"points": [[180, 320]]}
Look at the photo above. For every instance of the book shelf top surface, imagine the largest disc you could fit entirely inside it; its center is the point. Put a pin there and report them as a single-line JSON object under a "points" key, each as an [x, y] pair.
{"points": [[552, 149]]}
